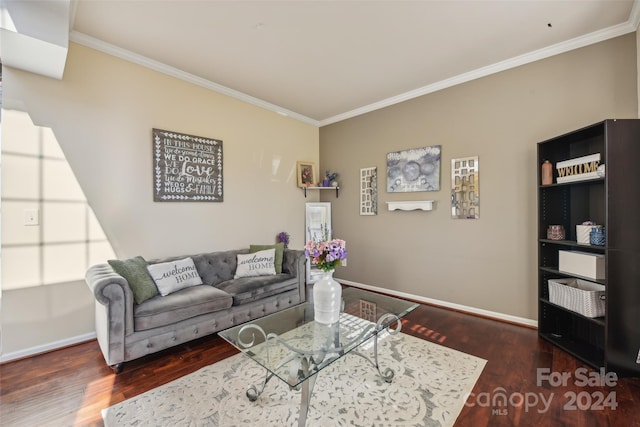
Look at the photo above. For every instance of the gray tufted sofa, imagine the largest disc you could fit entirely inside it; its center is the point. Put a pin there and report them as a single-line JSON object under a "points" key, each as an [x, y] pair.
{"points": [[127, 331]]}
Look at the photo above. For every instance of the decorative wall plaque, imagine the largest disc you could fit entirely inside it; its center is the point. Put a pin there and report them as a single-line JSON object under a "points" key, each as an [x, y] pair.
{"points": [[369, 191], [465, 188], [417, 169], [186, 168]]}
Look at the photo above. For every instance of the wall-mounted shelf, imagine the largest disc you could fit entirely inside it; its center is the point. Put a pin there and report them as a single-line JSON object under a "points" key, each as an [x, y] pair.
{"points": [[320, 188], [424, 205]]}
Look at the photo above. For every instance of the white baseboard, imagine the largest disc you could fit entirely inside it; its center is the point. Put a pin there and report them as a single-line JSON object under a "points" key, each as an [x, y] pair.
{"points": [[473, 310], [46, 347], [446, 304]]}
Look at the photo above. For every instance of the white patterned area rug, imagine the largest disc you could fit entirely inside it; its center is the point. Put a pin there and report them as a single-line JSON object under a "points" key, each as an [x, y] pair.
{"points": [[430, 387]]}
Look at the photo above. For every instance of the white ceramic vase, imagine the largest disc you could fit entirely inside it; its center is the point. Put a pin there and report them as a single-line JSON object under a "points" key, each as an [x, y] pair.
{"points": [[327, 299]]}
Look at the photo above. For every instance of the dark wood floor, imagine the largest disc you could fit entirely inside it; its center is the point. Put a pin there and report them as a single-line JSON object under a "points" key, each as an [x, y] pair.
{"points": [[70, 386]]}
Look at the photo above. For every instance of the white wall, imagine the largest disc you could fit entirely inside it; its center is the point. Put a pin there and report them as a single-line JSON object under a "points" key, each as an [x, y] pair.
{"points": [[52, 254], [102, 113]]}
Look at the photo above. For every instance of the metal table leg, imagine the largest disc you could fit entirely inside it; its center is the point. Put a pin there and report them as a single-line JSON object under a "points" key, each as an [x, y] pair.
{"points": [[305, 399]]}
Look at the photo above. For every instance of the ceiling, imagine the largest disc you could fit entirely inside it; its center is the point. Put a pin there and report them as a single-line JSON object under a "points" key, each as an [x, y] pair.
{"points": [[324, 61]]}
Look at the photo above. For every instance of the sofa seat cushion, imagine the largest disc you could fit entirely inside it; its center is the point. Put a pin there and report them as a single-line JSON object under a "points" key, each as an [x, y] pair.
{"points": [[183, 304], [249, 289]]}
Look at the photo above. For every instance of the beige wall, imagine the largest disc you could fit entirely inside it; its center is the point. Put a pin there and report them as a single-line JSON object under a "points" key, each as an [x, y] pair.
{"points": [[490, 263], [102, 113]]}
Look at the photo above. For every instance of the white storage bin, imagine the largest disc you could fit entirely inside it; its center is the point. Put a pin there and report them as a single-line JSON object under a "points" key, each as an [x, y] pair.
{"points": [[582, 233], [577, 295], [582, 263]]}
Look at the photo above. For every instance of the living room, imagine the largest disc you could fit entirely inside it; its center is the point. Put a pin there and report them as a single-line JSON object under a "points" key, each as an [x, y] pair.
{"points": [[103, 109]]}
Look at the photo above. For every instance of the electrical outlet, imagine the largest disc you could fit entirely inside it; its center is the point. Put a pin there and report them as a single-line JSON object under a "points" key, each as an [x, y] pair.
{"points": [[31, 217]]}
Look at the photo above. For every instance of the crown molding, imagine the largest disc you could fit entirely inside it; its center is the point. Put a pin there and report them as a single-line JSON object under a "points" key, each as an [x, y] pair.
{"points": [[575, 43], [634, 16], [109, 49], [598, 36]]}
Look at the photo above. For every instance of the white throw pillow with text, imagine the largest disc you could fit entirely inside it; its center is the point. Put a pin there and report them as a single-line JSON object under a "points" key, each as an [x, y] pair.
{"points": [[261, 263]]}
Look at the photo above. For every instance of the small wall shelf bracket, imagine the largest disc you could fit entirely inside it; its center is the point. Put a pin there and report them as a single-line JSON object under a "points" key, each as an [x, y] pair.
{"points": [[321, 188]]}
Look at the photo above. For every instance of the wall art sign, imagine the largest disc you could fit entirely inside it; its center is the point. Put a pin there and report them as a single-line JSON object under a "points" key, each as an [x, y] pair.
{"points": [[417, 169], [465, 188], [578, 169], [186, 168], [369, 191]]}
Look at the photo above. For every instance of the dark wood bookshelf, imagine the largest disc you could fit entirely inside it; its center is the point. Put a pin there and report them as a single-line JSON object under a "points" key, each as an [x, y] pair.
{"points": [[611, 341], [592, 356]]}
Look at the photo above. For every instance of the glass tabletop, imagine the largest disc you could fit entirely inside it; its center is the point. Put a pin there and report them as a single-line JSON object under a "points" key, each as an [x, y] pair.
{"points": [[293, 347]]}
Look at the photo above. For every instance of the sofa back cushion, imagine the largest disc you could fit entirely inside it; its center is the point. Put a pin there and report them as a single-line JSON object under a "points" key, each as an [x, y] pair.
{"points": [[217, 267]]}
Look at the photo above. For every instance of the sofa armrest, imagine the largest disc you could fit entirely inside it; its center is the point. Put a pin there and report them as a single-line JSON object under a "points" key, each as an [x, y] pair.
{"points": [[291, 261], [114, 310], [294, 263]]}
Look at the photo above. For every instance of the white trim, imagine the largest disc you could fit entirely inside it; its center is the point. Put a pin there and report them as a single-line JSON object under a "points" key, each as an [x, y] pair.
{"points": [[47, 347], [158, 66], [446, 304], [575, 43], [634, 16], [73, 11]]}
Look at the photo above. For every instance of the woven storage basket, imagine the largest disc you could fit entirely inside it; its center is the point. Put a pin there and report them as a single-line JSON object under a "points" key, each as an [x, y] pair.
{"points": [[581, 296]]}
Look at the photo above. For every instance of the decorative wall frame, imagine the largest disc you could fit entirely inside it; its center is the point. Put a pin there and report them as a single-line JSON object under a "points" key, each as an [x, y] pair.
{"points": [[369, 191], [417, 169], [465, 188], [306, 173], [317, 228], [186, 168]]}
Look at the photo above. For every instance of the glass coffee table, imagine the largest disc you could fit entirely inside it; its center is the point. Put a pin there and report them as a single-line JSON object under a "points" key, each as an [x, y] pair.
{"points": [[291, 346]]}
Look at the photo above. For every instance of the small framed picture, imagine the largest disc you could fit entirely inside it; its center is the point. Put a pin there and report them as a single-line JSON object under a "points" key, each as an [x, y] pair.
{"points": [[306, 172]]}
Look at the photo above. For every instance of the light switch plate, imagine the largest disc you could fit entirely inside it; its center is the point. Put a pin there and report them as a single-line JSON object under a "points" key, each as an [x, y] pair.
{"points": [[31, 217]]}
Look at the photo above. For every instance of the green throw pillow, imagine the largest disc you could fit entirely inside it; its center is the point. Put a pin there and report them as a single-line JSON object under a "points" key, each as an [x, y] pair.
{"points": [[279, 247], [135, 271]]}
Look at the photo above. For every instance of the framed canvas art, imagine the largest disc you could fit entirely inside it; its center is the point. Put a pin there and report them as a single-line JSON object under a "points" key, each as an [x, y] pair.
{"points": [[306, 172], [186, 168], [417, 169]]}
